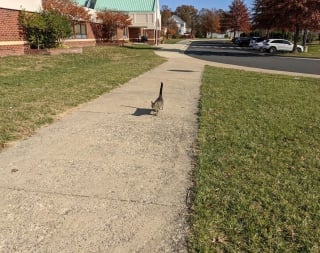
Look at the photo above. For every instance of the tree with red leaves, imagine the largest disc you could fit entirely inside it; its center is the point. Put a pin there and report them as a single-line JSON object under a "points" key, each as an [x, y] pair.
{"points": [[210, 20], [294, 15], [112, 20], [68, 8], [237, 19]]}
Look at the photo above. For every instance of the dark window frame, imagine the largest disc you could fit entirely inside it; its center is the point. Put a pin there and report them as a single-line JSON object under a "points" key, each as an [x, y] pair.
{"points": [[80, 31]]}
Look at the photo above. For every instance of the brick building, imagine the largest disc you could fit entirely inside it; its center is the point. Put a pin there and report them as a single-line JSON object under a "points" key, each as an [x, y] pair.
{"points": [[145, 16], [12, 41]]}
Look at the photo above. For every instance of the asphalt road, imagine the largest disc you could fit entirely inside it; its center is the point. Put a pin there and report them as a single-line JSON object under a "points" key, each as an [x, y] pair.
{"points": [[228, 53]]}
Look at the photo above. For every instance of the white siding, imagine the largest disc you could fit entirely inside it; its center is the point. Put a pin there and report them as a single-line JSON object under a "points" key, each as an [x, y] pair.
{"points": [[145, 19], [141, 18], [28, 5]]}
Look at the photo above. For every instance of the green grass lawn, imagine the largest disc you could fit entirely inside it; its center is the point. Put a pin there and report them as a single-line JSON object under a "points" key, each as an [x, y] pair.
{"points": [[313, 52], [34, 89], [257, 184], [171, 41]]}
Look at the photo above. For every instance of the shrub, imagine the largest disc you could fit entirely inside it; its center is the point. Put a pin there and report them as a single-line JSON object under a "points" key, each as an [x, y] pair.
{"points": [[45, 29]]}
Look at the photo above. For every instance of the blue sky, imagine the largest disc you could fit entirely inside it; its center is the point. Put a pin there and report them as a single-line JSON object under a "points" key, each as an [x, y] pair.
{"points": [[199, 4]]}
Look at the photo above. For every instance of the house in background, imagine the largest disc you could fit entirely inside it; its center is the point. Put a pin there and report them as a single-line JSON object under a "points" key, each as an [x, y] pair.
{"points": [[145, 16], [215, 35], [182, 25]]}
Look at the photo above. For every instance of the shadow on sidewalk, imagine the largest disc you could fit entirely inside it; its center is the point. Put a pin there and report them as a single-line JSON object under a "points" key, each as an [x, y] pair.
{"points": [[140, 111]]}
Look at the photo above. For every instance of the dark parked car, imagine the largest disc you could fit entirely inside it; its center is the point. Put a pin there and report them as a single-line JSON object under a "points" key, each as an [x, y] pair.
{"points": [[243, 41]]}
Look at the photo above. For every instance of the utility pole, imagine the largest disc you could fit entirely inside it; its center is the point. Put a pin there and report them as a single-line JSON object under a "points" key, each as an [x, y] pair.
{"points": [[156, 23]]}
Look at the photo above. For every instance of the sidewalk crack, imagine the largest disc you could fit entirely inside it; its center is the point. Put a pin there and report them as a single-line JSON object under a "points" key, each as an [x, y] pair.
{"points": [[72, 195]]}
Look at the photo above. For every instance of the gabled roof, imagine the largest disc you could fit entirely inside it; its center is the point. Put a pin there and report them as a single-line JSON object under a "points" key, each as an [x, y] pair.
{"points": [[120, 5], [177, 19]]}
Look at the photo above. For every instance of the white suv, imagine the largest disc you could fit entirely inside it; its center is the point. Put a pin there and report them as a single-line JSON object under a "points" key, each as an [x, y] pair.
{"points": [[273, 45]]}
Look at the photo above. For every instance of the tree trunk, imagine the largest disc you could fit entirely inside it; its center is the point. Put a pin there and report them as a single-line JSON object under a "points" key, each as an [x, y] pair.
{"points": [[268, 34], [304, 40], [295, 38]]}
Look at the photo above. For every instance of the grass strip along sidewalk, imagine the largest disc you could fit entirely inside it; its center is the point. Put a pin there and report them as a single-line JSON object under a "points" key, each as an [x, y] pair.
{"points": [[257, 185], [34, 89]]}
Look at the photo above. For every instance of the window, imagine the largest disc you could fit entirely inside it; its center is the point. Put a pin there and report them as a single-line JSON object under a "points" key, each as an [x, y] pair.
{"points": [[125, 32], [80, 31]]}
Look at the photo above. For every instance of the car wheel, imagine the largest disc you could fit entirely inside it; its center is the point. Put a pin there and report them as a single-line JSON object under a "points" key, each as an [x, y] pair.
{"points": [[272, 50], [299, 50]]}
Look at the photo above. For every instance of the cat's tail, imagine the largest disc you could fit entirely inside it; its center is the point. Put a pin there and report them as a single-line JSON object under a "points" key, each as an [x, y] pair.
{"points": [[161, 87]]}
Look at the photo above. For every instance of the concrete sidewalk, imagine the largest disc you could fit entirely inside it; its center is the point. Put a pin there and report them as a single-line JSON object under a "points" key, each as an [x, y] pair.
{"points": [[108, 177]]}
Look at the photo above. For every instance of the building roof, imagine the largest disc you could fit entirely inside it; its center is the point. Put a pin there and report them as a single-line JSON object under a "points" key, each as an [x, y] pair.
{"points": [[120, 5], [177, 19]]}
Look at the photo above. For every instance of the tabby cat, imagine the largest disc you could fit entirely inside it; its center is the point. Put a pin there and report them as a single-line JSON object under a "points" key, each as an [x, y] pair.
{"points": [[158, 103]]}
